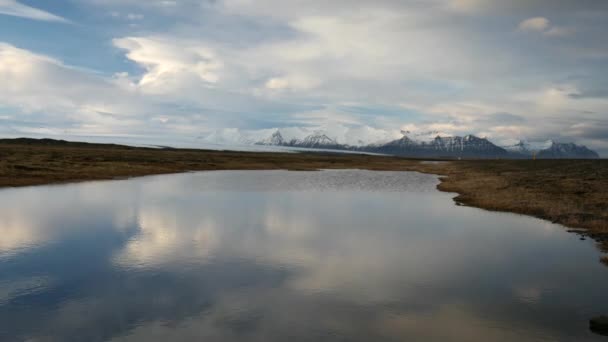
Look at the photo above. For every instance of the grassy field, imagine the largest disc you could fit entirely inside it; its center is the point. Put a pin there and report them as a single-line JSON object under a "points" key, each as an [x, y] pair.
{"points": [[570, 192]]}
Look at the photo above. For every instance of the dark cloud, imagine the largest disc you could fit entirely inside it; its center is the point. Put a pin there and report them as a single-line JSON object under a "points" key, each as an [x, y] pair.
{"points": [[543, 6], [595, 130], [505, 119], [593, 85]]}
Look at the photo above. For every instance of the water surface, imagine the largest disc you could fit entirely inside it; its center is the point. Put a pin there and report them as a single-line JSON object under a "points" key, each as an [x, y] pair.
{"points": [[278, 255]]}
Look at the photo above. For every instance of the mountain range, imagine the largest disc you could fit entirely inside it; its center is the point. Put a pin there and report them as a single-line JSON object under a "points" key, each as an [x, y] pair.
{"points": [[468, 146]]}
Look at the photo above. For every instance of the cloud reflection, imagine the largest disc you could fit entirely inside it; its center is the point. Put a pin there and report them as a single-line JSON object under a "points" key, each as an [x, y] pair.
{"points": [[164, 237], [232, 256]]}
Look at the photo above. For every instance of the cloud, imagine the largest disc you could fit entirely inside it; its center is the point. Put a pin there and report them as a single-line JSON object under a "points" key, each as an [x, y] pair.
{"points": [[14, 8], [29, 81], [85, 103], [538, 24], [166, 62], [127, 16], [559, 31], [544, 26], [451, 64], [590, 130], [519, 7], [465, 5], [135, 16]]}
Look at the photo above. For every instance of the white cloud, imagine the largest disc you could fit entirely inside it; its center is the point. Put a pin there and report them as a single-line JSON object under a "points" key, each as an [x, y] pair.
{"points": [[135, 16], [127, 16], [465, 5], [168, 62], [294, 81], [559, 31], [160, 240], [30, 81], [538, 24], [67, 99], [544, 26], [14, 8], [277, 83]]}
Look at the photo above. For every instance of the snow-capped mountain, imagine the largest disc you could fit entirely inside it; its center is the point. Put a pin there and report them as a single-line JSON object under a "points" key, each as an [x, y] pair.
{"points": [[276, 139], [521, 147], [424, 136], [527, 148], [550, 150], [468, 146], [346, 135], [431, 144], [316, 140], [567, 151]]}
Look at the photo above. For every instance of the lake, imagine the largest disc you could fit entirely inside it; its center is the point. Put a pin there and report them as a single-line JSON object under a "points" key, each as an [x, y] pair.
{"points": [[286, 256]]}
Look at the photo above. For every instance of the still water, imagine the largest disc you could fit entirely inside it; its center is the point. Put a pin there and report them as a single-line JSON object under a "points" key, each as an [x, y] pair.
{"points": [[286, 256]]}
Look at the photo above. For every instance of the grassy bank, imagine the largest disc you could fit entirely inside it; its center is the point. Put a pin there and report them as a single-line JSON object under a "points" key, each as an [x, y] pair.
{"points": [[569, 192], [30, 162]]}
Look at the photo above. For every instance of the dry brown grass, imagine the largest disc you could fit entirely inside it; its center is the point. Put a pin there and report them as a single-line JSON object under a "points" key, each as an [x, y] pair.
{"points": [[22, 165], [569, 192]]}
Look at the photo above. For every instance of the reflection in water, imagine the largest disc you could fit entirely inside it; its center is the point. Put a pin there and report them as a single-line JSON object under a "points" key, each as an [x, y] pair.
{"points": [[277, 255]]}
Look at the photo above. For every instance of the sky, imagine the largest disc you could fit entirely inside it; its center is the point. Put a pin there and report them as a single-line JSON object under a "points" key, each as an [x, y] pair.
{"points": [[176, 70]]}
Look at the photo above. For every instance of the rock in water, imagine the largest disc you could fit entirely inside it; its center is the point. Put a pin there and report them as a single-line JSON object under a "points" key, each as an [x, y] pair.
{"points": [[599, 325]]}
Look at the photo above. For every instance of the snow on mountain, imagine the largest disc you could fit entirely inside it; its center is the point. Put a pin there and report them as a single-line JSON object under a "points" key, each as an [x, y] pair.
{"points": [[567, 150], [414, 144], [424, 136], [528, 148], [519, 147], [451, 146], [239, 137], [316, 140], [550, 149], [539, 145], [468, 142], [334, 135], [276, 139]]}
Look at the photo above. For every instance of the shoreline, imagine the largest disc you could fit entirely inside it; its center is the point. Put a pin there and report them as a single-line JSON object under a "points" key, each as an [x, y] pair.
{"points": [[568, 192]]}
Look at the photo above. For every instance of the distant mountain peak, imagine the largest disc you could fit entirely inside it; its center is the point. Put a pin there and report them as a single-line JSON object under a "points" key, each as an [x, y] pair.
{"points": [[567, 150], [316, 140], [550, 149], [425, 136], [431, 144], [276, 139]]}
